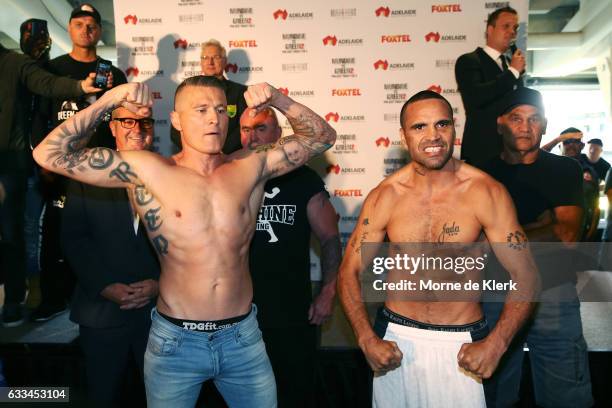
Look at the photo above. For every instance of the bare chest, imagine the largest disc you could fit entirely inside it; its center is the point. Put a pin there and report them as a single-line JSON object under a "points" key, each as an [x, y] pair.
{"points": [[434, 219]]}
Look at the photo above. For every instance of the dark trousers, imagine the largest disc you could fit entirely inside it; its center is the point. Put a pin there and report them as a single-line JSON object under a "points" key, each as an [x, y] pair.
{"points": [[292, 352], [110, 354], [56, 278], [12, 244]]}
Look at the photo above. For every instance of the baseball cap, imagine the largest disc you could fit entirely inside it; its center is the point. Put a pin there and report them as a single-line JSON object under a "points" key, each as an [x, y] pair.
{"points": [[84, 10], [596, 141], [520, 96]]}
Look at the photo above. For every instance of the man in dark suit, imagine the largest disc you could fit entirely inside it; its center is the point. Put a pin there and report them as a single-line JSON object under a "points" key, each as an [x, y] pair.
{"points": [[484, 76], [116, 268], [213, 61]]}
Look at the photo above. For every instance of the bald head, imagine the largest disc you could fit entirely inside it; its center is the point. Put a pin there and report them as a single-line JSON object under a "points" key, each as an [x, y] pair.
{"points": [[259, 128]]}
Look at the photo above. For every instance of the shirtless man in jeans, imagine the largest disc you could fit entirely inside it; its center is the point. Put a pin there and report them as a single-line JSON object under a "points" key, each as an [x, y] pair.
{"points": [[199, 208], [435, 353]]}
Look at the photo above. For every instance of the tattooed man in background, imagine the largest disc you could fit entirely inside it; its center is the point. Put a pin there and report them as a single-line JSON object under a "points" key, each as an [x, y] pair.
{"points": [[199, 208]]}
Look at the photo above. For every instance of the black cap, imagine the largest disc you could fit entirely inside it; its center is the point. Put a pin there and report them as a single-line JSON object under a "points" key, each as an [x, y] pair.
{"points": [[84, 10], [596, 141], [520, 96]]}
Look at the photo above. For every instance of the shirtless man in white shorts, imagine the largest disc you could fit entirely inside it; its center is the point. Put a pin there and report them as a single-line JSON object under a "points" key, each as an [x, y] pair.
{"points": [[435, 354]]}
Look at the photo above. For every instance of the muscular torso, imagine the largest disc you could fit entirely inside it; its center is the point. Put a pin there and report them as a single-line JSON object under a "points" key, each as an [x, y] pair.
{"points": [[201, 227], [421, 215]]}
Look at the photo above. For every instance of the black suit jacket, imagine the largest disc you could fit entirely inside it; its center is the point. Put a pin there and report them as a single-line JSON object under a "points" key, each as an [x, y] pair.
{"points": [[99, 243], [481, 83], [234, 93]]}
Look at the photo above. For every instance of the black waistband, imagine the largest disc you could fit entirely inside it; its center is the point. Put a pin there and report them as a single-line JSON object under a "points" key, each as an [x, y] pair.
{"points": [[207, 326], [393, 317]]}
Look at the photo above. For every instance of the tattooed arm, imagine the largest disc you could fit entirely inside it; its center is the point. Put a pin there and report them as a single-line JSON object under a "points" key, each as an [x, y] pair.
{"points": [[323, 220], [312, 133], [64, 150], [497, 215], [382, 355]]}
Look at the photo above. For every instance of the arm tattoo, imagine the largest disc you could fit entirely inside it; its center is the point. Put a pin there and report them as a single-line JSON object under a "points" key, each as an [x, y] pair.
{"points": [[517, 240], [262, 148], [122, 172], [161, 244], [101, 158], [364, 236], [152, 219], [69, 141], [142, 195]]}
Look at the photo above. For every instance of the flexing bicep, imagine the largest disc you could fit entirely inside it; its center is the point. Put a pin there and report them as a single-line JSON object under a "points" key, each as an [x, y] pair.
{"points": [[98, 166]]}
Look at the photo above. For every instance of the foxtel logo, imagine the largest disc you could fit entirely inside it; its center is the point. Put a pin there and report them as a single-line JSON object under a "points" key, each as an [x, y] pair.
{"points": [[130, 17], [242, 43], [446, 8], [381, 64], [233, 68], [433, 36], [435, 88], [346, 92], [330, 40], [284, 91], [132, 71], [332, 116], [383, 141], [280, 13], [397, 38], [348, 193], [181, 43]]}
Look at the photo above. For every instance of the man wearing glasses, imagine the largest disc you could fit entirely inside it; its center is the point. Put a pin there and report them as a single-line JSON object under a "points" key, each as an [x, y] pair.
{"points": [[213, 61], [117, 271]]}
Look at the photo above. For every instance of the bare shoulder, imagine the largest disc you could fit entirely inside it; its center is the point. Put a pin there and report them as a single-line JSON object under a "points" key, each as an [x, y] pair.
{"points": [[479, 184]]}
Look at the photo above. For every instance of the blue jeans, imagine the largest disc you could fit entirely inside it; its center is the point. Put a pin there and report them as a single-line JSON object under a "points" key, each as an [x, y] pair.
{"points": [[178, 361], [557, 354]]}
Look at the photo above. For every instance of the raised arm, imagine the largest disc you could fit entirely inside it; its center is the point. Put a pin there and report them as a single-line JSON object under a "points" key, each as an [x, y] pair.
{"points": [[381, 355], [497, 215], [64, 150], [312, 133]]}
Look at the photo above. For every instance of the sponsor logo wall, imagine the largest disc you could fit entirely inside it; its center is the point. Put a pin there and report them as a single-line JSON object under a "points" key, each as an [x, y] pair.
{"points": [[354, 63]]}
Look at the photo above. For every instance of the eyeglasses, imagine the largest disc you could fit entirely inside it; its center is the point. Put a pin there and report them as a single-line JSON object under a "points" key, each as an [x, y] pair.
{"points": [[129, 123], [215, 58]]}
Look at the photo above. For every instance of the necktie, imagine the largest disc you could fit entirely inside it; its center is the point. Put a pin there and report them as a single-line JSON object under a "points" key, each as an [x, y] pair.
{"points": [[504, 63]]}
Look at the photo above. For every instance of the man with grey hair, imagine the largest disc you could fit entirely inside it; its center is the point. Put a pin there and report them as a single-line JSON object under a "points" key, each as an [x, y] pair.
{"points": [[213, 61]]}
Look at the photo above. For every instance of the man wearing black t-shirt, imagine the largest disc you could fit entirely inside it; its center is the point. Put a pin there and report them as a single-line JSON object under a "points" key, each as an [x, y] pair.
{"points": [[85, 31], [547, 192], [294, 205], [594, 158]]}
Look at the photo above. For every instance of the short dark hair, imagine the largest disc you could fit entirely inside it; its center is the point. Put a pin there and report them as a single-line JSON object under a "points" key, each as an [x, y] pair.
{"points": [[199, 80], [492, 19], [571, 130], [421, 96]]}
